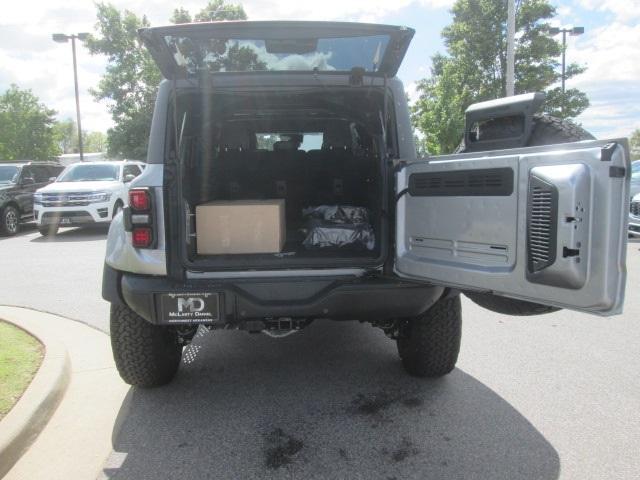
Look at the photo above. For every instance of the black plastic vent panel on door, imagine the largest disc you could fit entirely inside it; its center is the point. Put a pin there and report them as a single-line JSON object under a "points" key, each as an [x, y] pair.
{"points": [[542, 217], [497, 182]]}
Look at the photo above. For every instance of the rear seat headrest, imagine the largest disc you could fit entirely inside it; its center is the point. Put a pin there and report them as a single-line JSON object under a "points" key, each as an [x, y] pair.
{"points": [[236, 139], [337, 137], [283, 145]]}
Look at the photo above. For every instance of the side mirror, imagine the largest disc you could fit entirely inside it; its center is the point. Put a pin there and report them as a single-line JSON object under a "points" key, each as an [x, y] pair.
{"points": [[129, 177], [52, 179]]}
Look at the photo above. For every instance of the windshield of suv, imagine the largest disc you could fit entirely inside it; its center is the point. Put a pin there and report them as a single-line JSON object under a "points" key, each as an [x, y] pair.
{"points": [[8, 173], [241, 55], [88, 173]]}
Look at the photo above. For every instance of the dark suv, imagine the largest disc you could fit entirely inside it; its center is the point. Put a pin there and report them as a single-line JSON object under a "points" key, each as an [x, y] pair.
{"points": [[18, 183], [283, 186]]}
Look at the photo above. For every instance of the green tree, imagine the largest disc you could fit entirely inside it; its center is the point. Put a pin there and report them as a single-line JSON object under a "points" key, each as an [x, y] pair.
{"points": [[130, 83], [474, 68], [66, 134], [634, 143], [215, 10], [26, 127], [94, 142]]}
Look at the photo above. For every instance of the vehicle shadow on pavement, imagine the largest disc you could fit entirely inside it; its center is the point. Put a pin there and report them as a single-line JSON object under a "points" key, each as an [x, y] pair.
{"points": [[25, 229], [330, 402], [86, 234]]}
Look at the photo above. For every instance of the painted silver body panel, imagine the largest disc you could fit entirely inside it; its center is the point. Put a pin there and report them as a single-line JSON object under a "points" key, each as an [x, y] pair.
{"points": [[480, 243], [120, 253]]}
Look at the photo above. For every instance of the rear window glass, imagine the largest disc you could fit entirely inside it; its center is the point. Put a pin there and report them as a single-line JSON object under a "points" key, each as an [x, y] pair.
{"points": [[8, 173], [288, 141], [241, 55]]}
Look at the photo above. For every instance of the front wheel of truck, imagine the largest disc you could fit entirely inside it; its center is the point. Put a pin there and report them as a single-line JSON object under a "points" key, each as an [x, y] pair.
{"points": [[146, 355], [429, 343]]}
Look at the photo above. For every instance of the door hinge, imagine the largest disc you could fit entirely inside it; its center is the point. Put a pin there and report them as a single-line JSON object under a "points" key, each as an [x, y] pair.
{"points": [[606, 152], [617, 172]]}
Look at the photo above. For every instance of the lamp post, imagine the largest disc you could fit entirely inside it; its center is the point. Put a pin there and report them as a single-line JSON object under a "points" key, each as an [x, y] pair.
{"points": [[63, 38], [511, 34], [574, 31]]}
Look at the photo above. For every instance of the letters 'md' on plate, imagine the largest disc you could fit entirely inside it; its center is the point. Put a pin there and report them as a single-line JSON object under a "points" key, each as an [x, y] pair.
{"points": [[190, 307], [463, 183]]}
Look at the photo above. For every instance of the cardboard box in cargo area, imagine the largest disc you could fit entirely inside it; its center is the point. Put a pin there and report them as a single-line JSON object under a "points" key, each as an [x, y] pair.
{"points": [[243, 226]]}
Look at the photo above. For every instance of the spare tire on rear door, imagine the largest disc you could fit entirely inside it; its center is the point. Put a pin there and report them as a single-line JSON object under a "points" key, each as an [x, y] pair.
{"points": [[546, 130]]}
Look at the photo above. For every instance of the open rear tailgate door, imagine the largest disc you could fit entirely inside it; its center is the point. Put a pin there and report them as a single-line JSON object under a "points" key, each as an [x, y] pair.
{"points": [[541, 224], [186, 50]]}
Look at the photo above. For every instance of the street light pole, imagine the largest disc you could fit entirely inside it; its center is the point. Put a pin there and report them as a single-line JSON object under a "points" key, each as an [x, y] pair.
{"points": [[75, 80], [62, 38], [511, 33], [574, 31]]}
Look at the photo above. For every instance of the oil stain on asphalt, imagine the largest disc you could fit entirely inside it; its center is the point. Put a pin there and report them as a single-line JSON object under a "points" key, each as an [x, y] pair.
{"points": [[280, 448]]}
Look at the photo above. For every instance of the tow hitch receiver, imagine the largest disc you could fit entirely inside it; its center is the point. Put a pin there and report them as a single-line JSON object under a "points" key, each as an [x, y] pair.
{"points": [[275, 327]]}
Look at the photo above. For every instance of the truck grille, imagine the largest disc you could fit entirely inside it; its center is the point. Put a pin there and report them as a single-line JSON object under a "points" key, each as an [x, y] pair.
{"points": [[72, 199], [635, 209], [541, 224]]}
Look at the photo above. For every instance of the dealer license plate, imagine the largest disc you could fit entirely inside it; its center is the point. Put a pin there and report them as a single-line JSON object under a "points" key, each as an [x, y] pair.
{"points": [[190, 307]]}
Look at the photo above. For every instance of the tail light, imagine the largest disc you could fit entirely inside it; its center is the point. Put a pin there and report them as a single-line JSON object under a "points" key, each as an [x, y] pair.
{"points": [[142, 237], [139, 200], [139, 218]]}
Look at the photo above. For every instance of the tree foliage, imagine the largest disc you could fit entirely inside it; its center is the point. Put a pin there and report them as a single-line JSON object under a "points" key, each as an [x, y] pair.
{"points": [[474, 68], [129, 85], [66, 132], [26, 127]]}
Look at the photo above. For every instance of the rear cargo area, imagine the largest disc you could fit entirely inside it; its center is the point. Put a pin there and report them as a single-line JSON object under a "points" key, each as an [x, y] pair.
{"points": [[316, 153]]}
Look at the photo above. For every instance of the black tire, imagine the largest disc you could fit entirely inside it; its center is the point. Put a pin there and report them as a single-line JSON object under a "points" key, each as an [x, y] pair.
{"points": [[146, 355], [48, 230], [547, 130], [9, 221], [116, 208], [429, 344]]}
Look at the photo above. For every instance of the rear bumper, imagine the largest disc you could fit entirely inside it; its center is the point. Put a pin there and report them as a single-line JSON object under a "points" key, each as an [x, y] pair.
{"points": [[365, 299]]}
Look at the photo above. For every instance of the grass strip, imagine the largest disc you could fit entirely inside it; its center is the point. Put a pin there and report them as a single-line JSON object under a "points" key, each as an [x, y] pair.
{"points": [[20, 358]]}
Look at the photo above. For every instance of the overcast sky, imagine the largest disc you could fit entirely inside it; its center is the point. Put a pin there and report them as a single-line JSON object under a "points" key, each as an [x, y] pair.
{"points": [[610, 47]]}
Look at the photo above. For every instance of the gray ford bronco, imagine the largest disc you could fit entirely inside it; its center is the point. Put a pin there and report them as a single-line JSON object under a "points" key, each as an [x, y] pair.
{"points": [[529, 217]]}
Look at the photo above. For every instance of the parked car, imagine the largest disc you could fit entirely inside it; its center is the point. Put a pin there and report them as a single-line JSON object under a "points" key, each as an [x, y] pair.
{"points": [[239, 221], [634, 216], [635, 178], [18, 182], [86, 193]]}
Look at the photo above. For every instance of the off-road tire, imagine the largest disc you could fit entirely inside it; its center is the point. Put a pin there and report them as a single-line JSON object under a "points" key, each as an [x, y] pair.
{"points": [[116, 208], [547, 130], [146, 355], [9, 221], [48, 230], [429, 344]]}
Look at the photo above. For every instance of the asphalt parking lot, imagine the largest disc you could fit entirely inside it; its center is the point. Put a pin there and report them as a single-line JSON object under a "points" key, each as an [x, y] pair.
{"points": [[554, 396]]}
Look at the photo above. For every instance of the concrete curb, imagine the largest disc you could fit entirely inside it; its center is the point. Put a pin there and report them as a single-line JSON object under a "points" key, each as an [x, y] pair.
{"points": [[86, 416], [28, 417]]}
